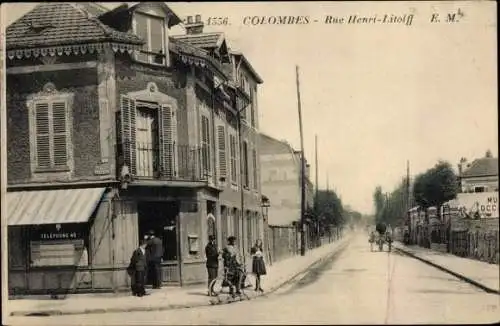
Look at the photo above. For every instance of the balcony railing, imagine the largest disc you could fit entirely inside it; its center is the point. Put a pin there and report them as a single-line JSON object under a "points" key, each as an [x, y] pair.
{"points": [[169, 162]]}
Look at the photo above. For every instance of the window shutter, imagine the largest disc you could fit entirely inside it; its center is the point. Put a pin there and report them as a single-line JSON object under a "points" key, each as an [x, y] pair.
{"points": [[205, 139], [167, 144], [232, 157], [60, 133], [42, 134], [221, 133], [128, 133]]}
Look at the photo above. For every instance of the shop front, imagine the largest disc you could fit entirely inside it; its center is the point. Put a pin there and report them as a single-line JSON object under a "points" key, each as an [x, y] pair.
{"points": [[50, 239]]}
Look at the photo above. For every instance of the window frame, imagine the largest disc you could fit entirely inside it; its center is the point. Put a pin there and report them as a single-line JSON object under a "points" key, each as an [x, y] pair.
{"points": [[206, 149], [222, 152], [49, 99], [233, 157], [148, 52], [246, 166]]}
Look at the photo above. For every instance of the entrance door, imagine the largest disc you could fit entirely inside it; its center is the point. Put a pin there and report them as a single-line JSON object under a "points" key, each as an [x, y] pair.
{"points": [[161, 217], [147, 142]]}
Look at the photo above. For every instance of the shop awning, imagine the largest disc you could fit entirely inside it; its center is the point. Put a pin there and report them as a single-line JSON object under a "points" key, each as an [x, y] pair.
{"points": [[52, 206]]}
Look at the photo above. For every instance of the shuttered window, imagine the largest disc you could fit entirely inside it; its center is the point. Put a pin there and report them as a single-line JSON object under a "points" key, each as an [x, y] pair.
{"points": [[52, 134], [232, 145], [221, 135], [205, 143]]}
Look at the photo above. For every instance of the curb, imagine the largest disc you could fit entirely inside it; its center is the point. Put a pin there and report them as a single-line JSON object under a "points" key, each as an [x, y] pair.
{"points": [[446, 270], [57, 312]]}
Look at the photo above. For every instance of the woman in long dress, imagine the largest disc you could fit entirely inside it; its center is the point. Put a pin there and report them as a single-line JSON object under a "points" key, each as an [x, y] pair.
{"points": [[258, 265]]}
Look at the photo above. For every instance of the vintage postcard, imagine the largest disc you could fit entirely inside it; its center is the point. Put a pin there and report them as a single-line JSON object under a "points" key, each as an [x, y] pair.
{"points": [[249, 163]]}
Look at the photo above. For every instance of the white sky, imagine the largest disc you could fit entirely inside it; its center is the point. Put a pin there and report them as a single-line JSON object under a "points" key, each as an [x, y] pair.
{"points": [[376, 95]]}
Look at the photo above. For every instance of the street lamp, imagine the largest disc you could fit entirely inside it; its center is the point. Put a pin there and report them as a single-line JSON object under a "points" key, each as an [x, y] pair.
{"points": [[264, 205]]}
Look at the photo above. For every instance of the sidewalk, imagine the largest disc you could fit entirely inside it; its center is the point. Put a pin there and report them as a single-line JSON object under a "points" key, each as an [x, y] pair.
{"points": [[481, 274], [168, 298]]}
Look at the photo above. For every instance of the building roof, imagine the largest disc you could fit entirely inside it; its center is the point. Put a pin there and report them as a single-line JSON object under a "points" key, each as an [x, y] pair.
{"points": [[247, 65], [203, 40], [486, 166], [56, 23], [270, 145]]}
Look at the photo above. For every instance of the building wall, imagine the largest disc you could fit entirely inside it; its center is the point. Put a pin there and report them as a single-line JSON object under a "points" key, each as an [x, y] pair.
{"points": [[281, 184], [469, 184], [85, 114]]}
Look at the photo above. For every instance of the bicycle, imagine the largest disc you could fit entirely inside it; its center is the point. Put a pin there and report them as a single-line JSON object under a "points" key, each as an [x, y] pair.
{"points": [[223, 288]]}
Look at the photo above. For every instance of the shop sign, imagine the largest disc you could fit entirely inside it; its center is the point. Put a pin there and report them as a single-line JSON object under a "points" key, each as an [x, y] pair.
{"points": [[476, 205], [59, 232]]}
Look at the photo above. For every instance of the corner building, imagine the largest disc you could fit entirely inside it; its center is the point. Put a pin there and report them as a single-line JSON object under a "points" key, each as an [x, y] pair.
{"points": [[115, 127]]}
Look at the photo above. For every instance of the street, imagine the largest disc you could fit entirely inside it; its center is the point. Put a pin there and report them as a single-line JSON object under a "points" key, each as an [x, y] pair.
{"points": [[355, 287]]}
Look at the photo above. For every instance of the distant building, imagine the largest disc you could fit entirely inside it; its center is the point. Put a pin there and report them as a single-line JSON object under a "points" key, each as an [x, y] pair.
{"points": [[479, 176], [280, 179]]}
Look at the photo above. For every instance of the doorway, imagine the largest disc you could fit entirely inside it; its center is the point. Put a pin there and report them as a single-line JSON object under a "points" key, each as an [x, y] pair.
{"points": [[160, 217]]}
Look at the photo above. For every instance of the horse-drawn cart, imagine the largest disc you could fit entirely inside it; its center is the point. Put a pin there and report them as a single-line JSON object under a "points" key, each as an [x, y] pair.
{"points": [[380, 237]]}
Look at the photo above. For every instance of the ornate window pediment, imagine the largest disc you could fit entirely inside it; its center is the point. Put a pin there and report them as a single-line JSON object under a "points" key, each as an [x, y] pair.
{"points": [[152, 94]]}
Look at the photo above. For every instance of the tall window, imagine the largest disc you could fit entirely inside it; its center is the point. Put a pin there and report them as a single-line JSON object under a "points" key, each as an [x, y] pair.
{"points": [[152, 30], [232, 145], [246, 178], [205, 143], [221, 135], [254, 165], [253, 105], [50, 134]]}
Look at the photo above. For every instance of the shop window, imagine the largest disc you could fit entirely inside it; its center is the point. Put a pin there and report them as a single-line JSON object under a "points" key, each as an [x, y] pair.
{"points": [[59, 245], [211, 228], [160, 217]]}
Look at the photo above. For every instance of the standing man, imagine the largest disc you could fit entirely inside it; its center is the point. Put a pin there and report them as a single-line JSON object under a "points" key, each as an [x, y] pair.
{"points": [[137, 269], [212, 254], [155, 247]]}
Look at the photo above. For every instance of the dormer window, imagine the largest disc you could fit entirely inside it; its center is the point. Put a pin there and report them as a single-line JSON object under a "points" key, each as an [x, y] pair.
{"points": [[152, 30]]}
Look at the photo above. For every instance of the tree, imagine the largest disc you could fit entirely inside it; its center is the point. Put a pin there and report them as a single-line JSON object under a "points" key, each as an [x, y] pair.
{"points": [[436, 186], [489, 154], [329, 207]]}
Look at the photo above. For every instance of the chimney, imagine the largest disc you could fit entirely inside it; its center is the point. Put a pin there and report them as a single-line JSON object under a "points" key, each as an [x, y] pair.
{"points": [[194, 25]]}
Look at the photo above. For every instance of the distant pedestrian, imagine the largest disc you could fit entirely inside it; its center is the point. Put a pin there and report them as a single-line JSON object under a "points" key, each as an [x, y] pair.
{"points": [[137, 269], [155, 254], [258, 265], [212, 254]]}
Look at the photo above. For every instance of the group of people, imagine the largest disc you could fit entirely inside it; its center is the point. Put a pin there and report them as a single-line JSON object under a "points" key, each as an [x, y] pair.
{"points": [[145, 264], [232, 263]]}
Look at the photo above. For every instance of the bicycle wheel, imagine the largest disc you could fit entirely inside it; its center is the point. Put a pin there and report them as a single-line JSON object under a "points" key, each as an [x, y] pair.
{"points": [[242, 281], [219, 290]]}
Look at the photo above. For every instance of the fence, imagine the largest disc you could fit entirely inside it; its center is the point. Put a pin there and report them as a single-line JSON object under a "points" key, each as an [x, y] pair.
{"points": [[477, 244], [284, 241]]}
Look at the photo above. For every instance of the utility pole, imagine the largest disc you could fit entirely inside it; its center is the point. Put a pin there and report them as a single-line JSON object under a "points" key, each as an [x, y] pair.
{"points": [[316, 183], [302, 172]]}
